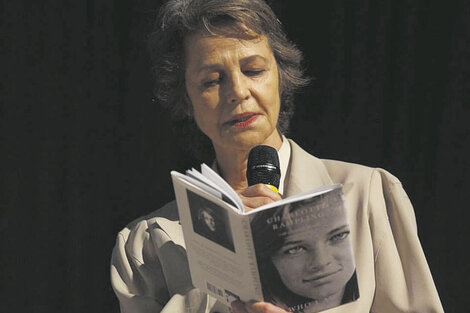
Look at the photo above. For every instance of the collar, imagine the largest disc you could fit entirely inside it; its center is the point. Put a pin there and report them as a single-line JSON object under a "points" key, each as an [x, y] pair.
{"points": [[305, 172]]}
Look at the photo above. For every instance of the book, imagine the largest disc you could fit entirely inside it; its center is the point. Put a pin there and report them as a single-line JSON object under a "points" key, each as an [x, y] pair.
{"points": [[295, 253]]}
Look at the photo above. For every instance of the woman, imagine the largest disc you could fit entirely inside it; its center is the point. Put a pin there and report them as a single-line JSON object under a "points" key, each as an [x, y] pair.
{"points": [[304, 254], [228, 68]]}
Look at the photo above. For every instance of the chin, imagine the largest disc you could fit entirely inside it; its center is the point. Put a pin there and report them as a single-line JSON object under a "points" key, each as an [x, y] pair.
{"points": [[245, 141], [325, 293], [253, 138]]}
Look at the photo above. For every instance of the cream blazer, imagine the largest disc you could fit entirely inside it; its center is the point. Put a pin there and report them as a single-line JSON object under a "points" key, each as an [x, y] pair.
{"points": [[150, 273]]}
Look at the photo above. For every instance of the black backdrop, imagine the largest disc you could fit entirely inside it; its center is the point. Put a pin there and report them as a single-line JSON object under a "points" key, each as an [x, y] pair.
{"points": [[84, 150]]}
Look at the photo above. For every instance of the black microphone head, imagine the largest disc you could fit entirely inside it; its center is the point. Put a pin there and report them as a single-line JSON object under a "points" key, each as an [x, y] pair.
{"points": [[263, 166]]}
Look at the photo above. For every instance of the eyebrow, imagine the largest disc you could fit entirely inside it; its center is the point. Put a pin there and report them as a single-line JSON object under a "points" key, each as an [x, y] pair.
{"points": [[292, 242], [252, 58], [208, 67], [331, 232], [337, 229]]}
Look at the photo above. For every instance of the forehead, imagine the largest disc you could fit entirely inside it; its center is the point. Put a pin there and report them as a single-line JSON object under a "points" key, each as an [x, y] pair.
{"points": [[202, 48], [318, 223]]}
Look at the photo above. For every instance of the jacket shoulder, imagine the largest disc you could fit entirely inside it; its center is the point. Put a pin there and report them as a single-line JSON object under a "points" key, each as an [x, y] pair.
{"points": [[168, 213], [343, 171]]}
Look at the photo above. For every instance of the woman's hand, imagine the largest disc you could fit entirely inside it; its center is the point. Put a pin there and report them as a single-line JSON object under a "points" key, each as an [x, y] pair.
{"points": [[255, 307], [257, 195]]}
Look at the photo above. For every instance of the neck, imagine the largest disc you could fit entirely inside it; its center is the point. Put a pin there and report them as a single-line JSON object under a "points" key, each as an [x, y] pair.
{"points": [[232, 162]]}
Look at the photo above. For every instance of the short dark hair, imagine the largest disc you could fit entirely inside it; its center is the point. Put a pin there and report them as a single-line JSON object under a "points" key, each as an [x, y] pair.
{"points": [[179, 18]]}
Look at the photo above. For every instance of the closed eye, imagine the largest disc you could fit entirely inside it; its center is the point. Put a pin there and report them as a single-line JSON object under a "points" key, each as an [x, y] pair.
{"points": [[211, 83], [251, 73]]}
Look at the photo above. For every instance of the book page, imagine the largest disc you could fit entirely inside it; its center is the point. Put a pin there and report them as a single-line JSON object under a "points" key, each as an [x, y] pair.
{"points": [[224, 186], [226, 196], [207, 188]]}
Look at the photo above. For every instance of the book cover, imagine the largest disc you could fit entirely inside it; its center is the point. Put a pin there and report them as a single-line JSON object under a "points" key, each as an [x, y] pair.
{"points": [[304, 253], [295, 253]]}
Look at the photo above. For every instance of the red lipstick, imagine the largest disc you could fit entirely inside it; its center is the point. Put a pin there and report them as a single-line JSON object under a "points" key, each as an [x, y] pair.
{"points": [[243, 120]]}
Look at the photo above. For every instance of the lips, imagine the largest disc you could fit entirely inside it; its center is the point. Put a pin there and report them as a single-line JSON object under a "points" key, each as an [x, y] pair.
{"points": [[320, 277], [242, 120]]}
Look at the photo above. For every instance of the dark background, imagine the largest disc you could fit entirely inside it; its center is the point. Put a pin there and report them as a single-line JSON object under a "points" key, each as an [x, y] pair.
{"points": [[84, 150]]}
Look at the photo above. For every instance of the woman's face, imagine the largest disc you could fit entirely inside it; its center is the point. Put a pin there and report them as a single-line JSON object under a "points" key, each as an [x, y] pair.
{"points": [[233, 85], [317, 262]]}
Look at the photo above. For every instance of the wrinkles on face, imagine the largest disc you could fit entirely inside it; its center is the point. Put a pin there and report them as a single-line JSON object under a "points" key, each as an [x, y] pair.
{"points": [[233, 86]]}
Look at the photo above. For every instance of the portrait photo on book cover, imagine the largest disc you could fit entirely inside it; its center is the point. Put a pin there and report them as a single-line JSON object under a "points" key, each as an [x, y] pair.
{"points": [[210, 220], [304, 254]]}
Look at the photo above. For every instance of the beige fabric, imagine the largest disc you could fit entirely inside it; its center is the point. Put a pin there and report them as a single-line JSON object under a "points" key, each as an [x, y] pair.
{"points": [[284, 157], [149, 269]]}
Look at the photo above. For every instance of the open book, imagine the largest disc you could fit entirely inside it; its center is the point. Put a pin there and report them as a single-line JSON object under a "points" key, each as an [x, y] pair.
{"points": [[295, 253]]}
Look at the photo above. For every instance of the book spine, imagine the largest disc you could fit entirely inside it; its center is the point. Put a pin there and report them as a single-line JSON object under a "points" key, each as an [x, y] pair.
{"points": [[253, 266]]}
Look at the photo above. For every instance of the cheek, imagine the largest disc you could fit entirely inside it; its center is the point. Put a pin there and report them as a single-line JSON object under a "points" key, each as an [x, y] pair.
{"points": [[343, 253], [206, 117], [273, 106], [289, 268], [199, 114], [201, 101], [199, 105], [273, 103], [345, 260], [273, 90]]}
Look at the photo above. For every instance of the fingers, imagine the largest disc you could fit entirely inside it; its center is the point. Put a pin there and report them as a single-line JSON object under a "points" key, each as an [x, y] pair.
{"points": [[263, 307], [257, 195], [238, 307], [259, 190], [255, 307]]}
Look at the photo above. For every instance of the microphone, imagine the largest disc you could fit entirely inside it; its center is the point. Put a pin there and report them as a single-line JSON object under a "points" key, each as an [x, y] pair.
{"points": [[263, 167]]}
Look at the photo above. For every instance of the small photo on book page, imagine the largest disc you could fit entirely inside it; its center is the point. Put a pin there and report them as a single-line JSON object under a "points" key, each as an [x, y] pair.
{"points": [[304, 254], [210, 221]]}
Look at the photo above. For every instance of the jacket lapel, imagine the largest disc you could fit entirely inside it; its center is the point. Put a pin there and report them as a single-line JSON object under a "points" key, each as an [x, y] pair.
{"points": [[305, 172]]}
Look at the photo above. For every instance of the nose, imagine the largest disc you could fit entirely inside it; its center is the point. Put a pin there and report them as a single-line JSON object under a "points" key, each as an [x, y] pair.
{"points": [[319, 259], [237, 88]]}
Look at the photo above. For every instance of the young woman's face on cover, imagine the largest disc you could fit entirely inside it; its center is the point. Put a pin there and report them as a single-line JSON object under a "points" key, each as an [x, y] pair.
{"points": [[233, 85], [317, 262]]}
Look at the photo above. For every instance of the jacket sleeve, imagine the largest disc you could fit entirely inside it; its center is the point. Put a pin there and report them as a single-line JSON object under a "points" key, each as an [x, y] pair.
{"points": [[136, 274], [150, 274], [403, 279]]}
